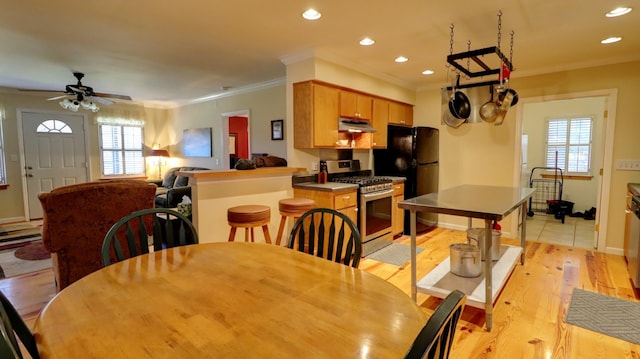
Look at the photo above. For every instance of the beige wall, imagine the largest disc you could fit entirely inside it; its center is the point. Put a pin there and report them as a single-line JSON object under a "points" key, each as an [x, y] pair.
{"points": [[14, 102], [476, 153], [485, 154], [263, 106]]}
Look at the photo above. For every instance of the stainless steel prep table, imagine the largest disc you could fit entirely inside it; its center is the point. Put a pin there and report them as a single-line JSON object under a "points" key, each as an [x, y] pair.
{"points": [[484, 202]]}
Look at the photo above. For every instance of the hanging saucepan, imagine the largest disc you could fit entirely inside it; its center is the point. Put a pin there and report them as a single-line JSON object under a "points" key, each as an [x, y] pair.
{"points": [[508, 100], [514, 96], [450, 120], [489, 110], [459, 104]]}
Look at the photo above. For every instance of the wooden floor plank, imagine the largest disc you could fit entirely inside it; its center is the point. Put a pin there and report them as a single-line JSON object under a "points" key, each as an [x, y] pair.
{"points": [[528, 317]]}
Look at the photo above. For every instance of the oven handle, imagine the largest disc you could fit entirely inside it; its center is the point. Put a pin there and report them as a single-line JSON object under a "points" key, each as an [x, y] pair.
{"points": [[377, 195]]}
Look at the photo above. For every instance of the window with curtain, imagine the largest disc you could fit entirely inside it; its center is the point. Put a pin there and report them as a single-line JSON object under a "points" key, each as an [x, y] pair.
{"points": [[570, 141], [121, 146]]}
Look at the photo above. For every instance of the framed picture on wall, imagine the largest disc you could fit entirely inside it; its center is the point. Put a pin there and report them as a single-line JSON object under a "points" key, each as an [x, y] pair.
{"points": [[197, 142], [277, 130]]}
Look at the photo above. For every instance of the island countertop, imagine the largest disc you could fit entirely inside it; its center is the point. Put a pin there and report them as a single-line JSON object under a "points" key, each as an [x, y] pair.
{"points": [[230, 174]]}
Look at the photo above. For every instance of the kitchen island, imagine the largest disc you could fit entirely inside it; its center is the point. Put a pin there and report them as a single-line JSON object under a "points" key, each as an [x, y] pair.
{"points": [[214, 191], [490, 203]]}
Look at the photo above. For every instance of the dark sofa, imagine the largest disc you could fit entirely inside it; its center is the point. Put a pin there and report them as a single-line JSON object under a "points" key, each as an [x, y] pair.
{"points": [[172, 187]]}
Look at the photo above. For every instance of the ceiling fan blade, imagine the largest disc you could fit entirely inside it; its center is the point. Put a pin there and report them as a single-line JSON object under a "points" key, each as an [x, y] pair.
{"points": [[101, 100], [36, 90], [56, 98], [111, 95]]}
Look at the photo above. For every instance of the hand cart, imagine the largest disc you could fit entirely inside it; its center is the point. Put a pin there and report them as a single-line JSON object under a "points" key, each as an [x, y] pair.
{"points": [[548, 196]]}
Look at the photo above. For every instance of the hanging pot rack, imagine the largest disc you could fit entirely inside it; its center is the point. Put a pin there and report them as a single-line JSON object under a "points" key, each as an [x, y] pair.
{"points": [[477, 56]]}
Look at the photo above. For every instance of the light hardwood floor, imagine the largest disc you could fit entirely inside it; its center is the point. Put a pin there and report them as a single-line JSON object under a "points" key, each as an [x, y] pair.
{"points": [[528, 316]]}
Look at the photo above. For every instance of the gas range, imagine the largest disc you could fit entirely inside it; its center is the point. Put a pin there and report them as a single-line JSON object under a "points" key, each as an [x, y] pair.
{"points": [[375, 202], [368, 184]]}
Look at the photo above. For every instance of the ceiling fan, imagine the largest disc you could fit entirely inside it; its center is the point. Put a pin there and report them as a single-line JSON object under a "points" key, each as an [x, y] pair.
{"points": [[82, 92]]}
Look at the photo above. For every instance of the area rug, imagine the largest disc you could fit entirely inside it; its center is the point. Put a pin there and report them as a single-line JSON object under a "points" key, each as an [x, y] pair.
{"points": [[396, 254], [29, 256], [615, 317]]}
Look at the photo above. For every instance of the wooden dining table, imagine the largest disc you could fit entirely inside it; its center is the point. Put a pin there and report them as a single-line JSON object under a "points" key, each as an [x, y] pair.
{"points": [[228, 300]]}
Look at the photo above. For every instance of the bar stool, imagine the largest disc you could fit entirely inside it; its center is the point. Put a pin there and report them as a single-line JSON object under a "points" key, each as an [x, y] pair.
{"points": [[292, 207], [247, 217]]}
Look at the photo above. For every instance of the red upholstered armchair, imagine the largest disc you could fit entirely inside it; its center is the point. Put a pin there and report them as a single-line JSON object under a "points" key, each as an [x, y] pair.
{"points": [[77, 217]]}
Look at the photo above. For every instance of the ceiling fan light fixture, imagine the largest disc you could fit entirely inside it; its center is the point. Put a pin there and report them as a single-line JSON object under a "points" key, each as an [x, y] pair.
{"points": [[65, 103], [88, 105]]}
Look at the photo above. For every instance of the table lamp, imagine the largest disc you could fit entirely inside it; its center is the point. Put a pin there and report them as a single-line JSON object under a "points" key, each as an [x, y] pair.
{"points": [[159, 154]]}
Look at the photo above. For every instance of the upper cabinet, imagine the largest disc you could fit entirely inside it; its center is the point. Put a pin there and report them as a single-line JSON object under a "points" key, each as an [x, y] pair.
{"points": [[318, 105], [400, 114], [315, 115], [379, 121], [355, 105]]}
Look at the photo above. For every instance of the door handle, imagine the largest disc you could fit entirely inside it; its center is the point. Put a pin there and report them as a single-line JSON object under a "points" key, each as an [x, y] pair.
{"points": [[29, 175]]}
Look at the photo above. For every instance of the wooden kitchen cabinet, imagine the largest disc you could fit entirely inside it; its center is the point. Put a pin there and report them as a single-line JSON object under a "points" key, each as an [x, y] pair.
{"points": [[315, 115], [400, 114], [355, 105], [343, 201], [379, 121], [397, 221]]}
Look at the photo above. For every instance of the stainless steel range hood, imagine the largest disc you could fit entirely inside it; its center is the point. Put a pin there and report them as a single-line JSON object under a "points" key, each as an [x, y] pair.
{"points": [[346, 124]]}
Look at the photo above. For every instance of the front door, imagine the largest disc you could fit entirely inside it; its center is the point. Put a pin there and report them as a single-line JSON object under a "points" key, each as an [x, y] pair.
{"points": [[54, 152]]}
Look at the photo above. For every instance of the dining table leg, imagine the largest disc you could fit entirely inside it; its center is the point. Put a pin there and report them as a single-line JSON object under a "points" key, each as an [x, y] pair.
{"points": [[488, 274], [414, 286]]}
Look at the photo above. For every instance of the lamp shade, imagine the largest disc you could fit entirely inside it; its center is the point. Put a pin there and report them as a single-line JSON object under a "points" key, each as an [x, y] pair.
{"points": [[159, 153]]}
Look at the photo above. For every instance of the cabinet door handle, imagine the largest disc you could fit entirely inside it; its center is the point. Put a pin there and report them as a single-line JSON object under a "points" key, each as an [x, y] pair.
{"points": [[346, 197]]}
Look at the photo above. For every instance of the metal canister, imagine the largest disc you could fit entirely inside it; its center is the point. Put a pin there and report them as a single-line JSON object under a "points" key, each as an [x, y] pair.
{"points": [[465, 260], [475, 236]]}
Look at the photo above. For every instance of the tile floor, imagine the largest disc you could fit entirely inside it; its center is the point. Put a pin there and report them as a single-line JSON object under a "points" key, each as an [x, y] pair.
{"points": [[576, 231]]}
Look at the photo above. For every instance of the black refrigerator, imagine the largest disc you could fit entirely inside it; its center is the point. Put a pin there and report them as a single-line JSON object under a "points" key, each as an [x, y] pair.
{"points": [[412, 152]]}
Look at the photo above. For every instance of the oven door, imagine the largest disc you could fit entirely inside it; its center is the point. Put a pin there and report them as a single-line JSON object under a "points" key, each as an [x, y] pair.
{"points": [[376, 211]]}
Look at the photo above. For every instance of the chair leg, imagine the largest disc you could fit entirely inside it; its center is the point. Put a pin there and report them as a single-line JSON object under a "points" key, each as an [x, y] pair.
{"points": [[283, 220], [232, 234], [246, 234], [267, 237]]}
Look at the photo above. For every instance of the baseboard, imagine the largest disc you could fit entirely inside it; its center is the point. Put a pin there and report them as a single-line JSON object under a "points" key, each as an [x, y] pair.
{"points": [[12, 220], [616, 251]]}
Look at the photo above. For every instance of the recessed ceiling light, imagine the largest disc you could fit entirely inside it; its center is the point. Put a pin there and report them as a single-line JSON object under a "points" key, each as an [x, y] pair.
{"points": [[618, 12], [311, 14], [367, 41], [427, 72], [611, 40], [401, 59]]}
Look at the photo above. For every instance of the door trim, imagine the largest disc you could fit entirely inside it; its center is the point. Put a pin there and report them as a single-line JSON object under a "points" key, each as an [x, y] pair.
{"points": [[23, 174], [604, 181], [224, 118]]}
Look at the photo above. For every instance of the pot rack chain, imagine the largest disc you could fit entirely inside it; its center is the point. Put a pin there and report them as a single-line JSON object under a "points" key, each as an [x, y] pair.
{"points": [[476, 56]]}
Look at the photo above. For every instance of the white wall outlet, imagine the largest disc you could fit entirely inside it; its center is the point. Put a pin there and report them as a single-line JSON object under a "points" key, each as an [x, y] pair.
{"points": [[314, 166], [628, 165]]}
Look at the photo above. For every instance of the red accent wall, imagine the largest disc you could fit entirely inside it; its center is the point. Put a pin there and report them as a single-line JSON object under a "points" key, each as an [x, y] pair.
{"points": [[238, 126]]}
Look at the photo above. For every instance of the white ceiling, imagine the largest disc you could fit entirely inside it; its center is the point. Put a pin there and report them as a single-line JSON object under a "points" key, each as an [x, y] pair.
{"points": [[173, 51]]}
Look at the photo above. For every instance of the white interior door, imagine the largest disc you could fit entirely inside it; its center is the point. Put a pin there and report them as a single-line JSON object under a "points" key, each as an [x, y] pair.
{"points": [[54, 154]]}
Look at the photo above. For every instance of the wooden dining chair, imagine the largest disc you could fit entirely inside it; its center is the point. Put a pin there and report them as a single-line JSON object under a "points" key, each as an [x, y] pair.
{"points": [[436, 337], [133, 234], [11, 324], [328, 234]]}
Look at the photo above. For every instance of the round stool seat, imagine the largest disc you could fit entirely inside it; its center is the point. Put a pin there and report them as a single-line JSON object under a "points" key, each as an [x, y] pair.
{"points": [[247, 217], [248, 213], [294, 205]]}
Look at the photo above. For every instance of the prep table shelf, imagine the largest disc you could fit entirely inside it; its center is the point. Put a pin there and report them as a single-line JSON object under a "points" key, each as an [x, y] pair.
{"points": [[440, 281]]}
